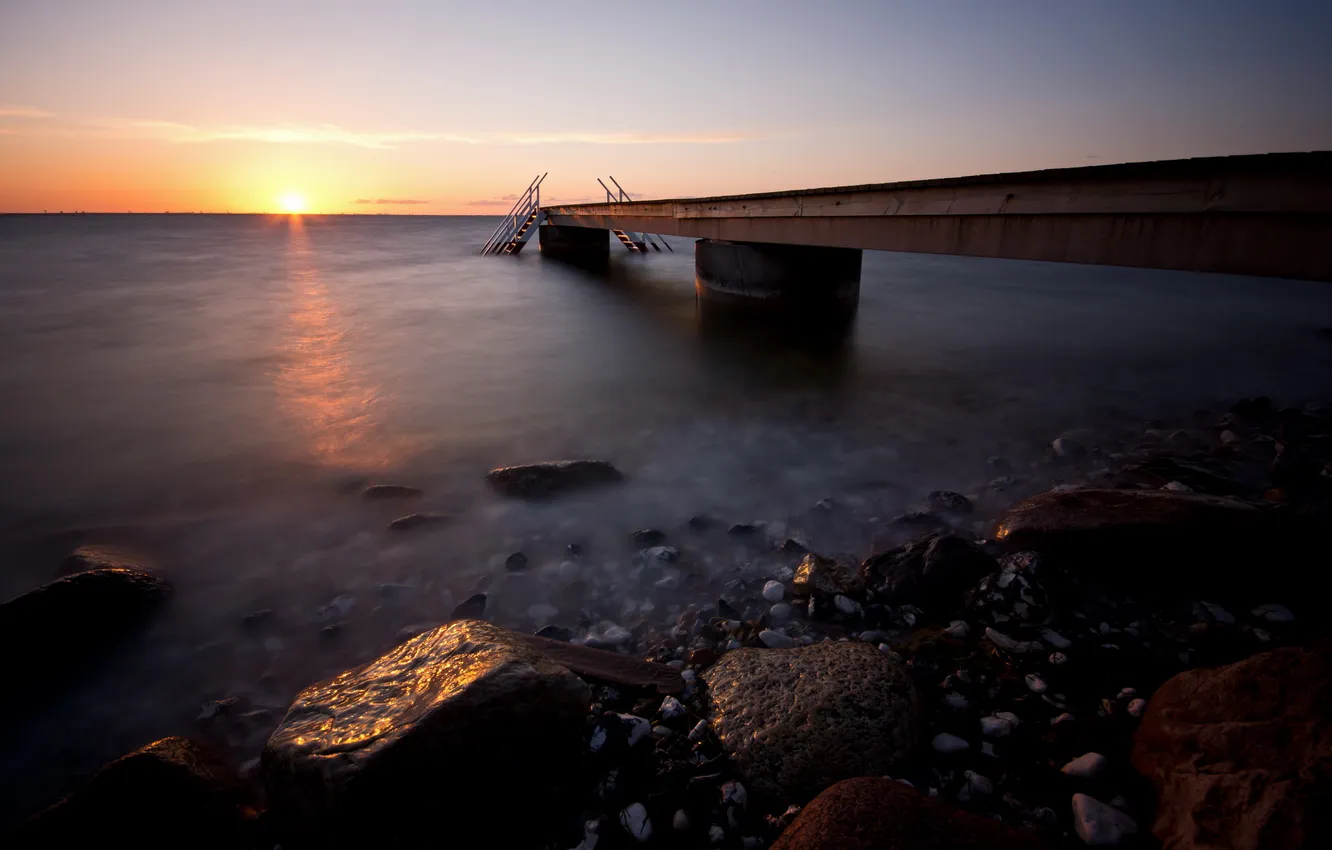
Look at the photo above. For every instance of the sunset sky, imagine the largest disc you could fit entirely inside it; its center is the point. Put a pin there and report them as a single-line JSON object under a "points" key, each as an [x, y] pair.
{"points": [[447, 107]]}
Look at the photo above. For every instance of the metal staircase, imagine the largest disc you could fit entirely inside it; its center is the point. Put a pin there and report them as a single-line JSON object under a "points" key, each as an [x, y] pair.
{"points": [[637, 243], [520, 222]]}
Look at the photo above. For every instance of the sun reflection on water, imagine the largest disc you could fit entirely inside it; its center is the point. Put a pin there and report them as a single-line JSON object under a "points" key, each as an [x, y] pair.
{"points": [[332, 402]]}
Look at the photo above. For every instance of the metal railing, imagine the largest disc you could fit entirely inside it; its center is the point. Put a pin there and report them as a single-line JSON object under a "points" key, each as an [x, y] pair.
{"points": [[623, 197], [528, 204]]}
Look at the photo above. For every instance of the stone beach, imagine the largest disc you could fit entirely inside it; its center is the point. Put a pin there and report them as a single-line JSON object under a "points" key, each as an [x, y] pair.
{"points": [[1048, 656]]}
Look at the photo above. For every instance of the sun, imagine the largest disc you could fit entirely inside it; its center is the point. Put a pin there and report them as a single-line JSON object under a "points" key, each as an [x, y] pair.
{"points": [[292, 202]]}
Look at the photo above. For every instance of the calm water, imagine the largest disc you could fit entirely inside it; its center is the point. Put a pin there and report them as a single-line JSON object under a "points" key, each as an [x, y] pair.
{"points": [[206, 388]]}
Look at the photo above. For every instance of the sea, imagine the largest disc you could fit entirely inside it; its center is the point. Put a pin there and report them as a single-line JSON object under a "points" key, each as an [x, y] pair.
{"points": [[212, 391]]}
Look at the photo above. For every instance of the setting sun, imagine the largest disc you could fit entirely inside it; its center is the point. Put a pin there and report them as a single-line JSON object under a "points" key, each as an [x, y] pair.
{"points": [[292, 202]]}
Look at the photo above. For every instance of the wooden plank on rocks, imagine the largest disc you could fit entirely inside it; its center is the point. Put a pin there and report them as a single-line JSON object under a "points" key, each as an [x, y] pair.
{"points": [[608, 666]]}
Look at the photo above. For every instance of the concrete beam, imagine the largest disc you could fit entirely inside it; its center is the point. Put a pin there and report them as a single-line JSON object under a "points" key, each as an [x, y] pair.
{"points": [[578, 244], [1268, 215]]}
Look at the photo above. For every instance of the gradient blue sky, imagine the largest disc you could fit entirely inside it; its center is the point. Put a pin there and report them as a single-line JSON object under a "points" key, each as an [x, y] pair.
{"points": [[227, 105]]}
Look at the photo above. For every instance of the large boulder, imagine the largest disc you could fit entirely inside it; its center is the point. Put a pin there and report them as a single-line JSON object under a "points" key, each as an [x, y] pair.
{"points": [[465, 724], [874, 813], [797, 720], [47, 632], [932, 572], [540, 480], [171, 794], [1241, 755], [1170, 543]]}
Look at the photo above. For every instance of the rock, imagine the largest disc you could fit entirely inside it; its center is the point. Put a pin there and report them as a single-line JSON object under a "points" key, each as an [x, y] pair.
{"points": [[379, 492], [846, 605], [1086, 766], [646, 537], [105, 556], [663, 554], [555, 633], [542, 480], [1100, 825], [515, 562], [412, 522], [1273, 613], [173, 793], [606, 666], [1003, 641], [824, 577], [932, 572], [379, 754], [1172, 544], [781, 612], [681, 822], [1241, 755], [775, 640], [471, 608], [948, 502], [996, 726], [634, 819], [949, 744], [874, 813], [47, 633], [1068, 448], [774, 591], [745, 529], [1016, 593], [793, 726]]}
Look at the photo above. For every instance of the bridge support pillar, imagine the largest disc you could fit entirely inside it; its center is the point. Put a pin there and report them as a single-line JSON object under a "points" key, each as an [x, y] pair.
{"points": [[581, 245], [784, 279]]}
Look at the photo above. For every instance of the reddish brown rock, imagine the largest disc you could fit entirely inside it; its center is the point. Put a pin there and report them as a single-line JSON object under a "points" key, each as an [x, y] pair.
{"points": [[1241, 756], [873, 813], [171, 794]]}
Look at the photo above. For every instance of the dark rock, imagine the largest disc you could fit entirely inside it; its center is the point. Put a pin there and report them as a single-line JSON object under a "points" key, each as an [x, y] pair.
{"points": [[793, 547], [471, 608], [541, 480], [1162, 542], [1256, 410], [1241, 756], [105, 557], [47, 632], [744, 529], [607, 666], [932, 572], [1200, 476], [380, 755], [726, 611], [948, 502], [171, 794], [515, 562], [379, 492], [645, 537], [792, 724], [555, 633], [875, 813], [575, 549], [820, 576], [701, 522], [256, 618], [1016, 594], [415, 521]]}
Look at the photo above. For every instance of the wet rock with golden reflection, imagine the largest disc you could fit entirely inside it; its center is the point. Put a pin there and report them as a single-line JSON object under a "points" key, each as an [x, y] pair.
{"points": [[541, 480], [797, 720], [425, 736]]}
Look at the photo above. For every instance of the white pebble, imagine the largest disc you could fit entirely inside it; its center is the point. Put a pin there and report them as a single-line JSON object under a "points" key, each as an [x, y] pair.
{"points": [[846, 605], [1100, 825], [1010, 717], [996, 727], [775, 640], [681, 821], [1126, 692], [733, 793], [733, 644], [617, 634], [1178, 487], [958, 629], [635, 821], [1273, 613], [1137, 707], [666, 583], [780, 612], [671, 707], [639, 728], [774, 591], [945, 743], [1055, 639], [956, 701], [700, 729], [662, 732], [716, 834], [1086, 766], [1035, 683], [598, 739]]}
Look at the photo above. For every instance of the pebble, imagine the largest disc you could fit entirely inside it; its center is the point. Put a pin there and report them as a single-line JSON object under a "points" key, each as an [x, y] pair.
{"points": [[1063, 718], [1058, 658], [995, 726], [1055, 639], [1178, 487], [1086, 766], [666, 583], [946, 743], [668, 554], [1035, 683], [1219, 614], [635, 821], [1100, 825], [681, 821], [846, 605], [734, 794], [700, 729], [516, 561], [672, 708], [780, 612], [980, 786], [774, 591], [1273, 613], [1229, 437], [733, 644], [958, 629], [662, 732], [1137, 707], [638, 728], [775, 640], [956, 701], [1003, 641], [988, 749], [1069, 448], [716, 834], [617, 634]]}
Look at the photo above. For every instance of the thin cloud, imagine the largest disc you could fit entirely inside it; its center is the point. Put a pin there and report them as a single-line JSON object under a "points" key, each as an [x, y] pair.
{"points": [[390, 201], [24, 112]]}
